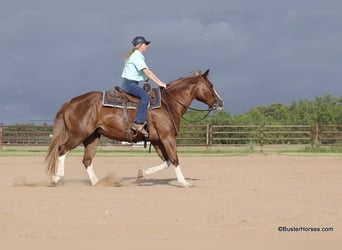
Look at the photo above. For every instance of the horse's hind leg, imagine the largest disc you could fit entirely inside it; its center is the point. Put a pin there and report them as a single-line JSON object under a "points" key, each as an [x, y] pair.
{"points": [[60, 169], [63, 151], [90, 145]]}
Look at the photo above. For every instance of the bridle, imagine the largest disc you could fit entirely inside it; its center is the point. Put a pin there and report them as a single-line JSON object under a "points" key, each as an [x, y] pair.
{"points": [[208, 110], [169, 97]]}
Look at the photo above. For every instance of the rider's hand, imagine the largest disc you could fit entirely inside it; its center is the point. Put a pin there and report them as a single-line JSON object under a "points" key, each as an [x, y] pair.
{"points": [[162, 85]]}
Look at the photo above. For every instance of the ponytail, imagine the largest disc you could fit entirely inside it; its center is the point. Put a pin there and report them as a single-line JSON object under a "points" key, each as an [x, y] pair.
{"points": [[129, 53]]}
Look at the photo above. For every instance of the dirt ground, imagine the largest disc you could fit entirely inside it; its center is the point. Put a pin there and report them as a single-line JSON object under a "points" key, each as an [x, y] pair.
{"points": [[234, 198]]}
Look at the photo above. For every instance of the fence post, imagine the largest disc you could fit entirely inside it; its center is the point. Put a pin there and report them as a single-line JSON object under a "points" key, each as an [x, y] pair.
{"points": [[207, 136], [317, 133], [312, 139], [262, 138], [314, 134], [1, 125]]}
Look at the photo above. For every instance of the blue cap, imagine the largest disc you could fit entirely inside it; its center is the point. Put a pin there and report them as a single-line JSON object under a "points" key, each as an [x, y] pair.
{"points": [[140, 39]]}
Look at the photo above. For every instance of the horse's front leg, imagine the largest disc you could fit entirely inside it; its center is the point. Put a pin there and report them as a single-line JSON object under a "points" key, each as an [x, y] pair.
{"points": [[181, 178], [170, 148], [142, 173]]}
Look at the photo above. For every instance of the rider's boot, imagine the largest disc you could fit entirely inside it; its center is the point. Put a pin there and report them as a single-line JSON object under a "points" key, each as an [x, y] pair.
{"points": [[140, 128]]}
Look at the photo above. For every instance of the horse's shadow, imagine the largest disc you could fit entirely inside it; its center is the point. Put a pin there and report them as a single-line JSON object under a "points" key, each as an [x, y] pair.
{"points": [[146, 182], [117, 182], [157, 182], [154, 182]]}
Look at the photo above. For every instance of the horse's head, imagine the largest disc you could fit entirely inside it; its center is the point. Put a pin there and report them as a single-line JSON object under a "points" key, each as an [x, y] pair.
{"points": [[206, 92]]}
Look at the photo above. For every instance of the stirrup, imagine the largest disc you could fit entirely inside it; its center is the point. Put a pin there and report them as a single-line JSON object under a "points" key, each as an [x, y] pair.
{"points": [[140, 128]]}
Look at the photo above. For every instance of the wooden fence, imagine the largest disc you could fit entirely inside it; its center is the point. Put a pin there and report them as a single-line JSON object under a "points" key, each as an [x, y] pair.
{"points": [[200, 135]]}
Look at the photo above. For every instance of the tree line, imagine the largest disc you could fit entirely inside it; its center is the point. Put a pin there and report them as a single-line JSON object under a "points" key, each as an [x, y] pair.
{"points": [[324, 109]]}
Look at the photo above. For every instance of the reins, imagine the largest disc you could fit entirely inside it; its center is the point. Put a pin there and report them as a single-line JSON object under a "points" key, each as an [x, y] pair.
{"points": [[201, 119], [186, 108]]}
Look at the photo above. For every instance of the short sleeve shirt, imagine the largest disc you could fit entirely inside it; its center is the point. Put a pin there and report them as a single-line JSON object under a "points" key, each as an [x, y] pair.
{"points": [[134, 66]]}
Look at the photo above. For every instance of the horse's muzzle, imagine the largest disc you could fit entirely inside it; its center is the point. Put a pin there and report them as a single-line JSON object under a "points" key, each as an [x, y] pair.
{"points": [[217, 105]]}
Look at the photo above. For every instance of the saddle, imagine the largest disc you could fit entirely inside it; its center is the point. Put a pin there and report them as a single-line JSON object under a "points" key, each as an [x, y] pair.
{"points": [[117, 98]]}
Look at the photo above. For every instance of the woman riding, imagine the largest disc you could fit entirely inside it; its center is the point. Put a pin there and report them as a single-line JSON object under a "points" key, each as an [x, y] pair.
{"points": [[134, 71]]}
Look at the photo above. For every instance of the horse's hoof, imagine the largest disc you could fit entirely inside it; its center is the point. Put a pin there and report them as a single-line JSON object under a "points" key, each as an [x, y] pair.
{"points": [[140, 173], [94, 183], [186, 185], [55, 179]]}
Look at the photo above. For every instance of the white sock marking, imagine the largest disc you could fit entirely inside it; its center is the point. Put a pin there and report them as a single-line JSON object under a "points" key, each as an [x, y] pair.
{"points": [[92, 175], [156, 169], [180, 177], [59, 174]]}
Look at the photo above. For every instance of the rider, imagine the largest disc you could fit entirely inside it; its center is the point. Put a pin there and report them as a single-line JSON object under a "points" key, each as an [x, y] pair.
{"points": [[136, 70]]}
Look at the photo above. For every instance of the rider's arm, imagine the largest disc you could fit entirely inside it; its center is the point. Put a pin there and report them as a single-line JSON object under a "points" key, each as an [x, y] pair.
{"points": [[153, 77]]}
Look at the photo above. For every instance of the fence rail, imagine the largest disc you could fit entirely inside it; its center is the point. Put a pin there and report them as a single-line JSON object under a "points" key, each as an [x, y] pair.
{"points": [[200, 135]]}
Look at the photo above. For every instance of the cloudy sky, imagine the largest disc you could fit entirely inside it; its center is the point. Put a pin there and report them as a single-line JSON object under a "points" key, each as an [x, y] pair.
{"points": [[258, 52]]}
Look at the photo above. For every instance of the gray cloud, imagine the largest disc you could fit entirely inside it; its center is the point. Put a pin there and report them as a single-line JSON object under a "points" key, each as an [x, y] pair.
{"points": [[51, 52]]}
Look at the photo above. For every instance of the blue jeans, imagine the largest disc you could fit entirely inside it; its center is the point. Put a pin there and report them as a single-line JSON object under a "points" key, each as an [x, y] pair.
{"points": [[132, 87]]}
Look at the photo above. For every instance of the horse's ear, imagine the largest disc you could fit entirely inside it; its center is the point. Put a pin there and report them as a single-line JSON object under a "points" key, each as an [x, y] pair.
{"points": [[205, 74]]}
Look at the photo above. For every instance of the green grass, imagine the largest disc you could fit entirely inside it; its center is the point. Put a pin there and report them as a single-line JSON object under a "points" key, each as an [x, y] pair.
{"points": [[131, 151], [319, 150]]}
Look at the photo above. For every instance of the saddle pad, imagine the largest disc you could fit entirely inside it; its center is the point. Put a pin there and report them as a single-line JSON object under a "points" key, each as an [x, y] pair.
{"points": [[111, 100]]}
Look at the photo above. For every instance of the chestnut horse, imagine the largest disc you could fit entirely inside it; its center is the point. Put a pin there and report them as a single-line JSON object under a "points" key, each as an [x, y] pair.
{"points": [[84, 119]]}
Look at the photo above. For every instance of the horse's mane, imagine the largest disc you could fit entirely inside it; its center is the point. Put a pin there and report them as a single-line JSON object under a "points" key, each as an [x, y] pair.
{"points": [[176, 84]]}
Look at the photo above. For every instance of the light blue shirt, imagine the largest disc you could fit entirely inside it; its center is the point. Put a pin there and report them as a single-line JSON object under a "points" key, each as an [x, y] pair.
{"points": [[134, 66]]}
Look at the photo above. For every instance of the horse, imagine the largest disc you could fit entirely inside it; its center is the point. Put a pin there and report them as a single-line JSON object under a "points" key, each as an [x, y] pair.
{"points": [[84, 119]]}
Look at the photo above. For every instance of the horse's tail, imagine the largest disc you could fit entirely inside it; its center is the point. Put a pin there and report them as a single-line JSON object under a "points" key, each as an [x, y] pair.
{"points": [[59, 137]]}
